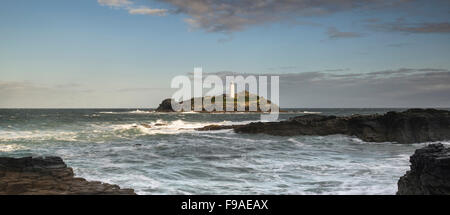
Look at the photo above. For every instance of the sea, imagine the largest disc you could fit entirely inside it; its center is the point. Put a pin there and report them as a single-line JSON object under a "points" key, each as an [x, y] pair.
{"points": [[162, 153]]}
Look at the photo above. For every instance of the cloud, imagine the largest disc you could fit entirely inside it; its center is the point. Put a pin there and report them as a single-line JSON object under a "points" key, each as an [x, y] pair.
{"points": [[420, 28], [398, 45], [134, 10], [229, 16], [18, 86], [115, 3], [30, 94], [148, 11], [403, 87], [282, 68], [384, 73], [142, 89], [26, 94], [372, 20], [226, 39], [350, 75], [27, 87], [334, 33]]}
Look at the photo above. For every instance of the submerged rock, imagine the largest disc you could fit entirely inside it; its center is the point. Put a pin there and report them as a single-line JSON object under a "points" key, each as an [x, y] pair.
{"points": [[145, 125], [429, 174], [160, 124], [411, 126], [48, 176]]}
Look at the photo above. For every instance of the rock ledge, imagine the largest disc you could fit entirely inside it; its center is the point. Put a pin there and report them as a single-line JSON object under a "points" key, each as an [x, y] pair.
{"points": [[410, 126], [48, 176], [429, 174]]}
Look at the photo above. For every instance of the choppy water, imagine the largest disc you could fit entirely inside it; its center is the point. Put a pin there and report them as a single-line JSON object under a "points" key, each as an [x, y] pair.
{"points": [[112, 146]]}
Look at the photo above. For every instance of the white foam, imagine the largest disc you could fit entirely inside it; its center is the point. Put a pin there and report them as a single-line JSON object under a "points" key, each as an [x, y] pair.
{"points": [[37, 135], [11, 147], [190, 112], [137, 111], [447, 143], [98, 132], [311, 112], [296, 142], [232, 138], [173, 127]]}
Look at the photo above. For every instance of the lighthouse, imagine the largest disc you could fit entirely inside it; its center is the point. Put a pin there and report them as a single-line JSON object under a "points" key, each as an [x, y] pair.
{"points": [[232, 90]]}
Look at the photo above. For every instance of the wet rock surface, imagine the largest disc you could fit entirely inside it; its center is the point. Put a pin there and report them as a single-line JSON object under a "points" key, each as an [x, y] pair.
{"points": [[215, 127], [48, 176], [411, 126], [165, 106], [429, 174]]}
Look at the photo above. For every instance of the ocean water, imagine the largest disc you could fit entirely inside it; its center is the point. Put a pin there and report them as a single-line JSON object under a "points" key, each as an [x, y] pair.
{"points": [[172, 158]]}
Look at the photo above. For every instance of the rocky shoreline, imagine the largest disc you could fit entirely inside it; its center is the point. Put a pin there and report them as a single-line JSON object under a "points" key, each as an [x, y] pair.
{"points": [[429, 174], [48, 176], [410, 126]]}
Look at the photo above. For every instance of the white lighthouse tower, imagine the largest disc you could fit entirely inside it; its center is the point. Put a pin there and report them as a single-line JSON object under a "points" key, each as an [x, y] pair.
{"points": [[232, 90]]}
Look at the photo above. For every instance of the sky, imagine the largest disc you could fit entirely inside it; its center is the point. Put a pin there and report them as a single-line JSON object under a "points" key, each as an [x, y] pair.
{"points": [[124, 53]]}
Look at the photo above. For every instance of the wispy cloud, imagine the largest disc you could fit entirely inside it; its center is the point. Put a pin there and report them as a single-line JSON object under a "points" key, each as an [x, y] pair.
{"points": [[334, 33], [148, 11], [417, 28], [132, 8], [142, 89], [372, 20], [403, 87], [398, 45], [229, 16], [27, 94], [115, 3]]}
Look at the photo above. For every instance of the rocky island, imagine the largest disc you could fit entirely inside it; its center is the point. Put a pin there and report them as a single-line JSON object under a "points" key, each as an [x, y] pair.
{"points": [[48, 176], [261, 103], [429, 174]]}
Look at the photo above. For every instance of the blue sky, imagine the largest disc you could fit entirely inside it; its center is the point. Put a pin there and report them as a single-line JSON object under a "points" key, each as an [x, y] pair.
{"points": [[89, 53]]}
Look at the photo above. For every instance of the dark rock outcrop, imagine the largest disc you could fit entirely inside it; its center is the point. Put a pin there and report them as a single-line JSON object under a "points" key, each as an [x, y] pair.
{"points": [[160, 124], [48, 176], [429, 174], [411, 126], [216, 127], [145, 125], [165, 106], [260, 103]]}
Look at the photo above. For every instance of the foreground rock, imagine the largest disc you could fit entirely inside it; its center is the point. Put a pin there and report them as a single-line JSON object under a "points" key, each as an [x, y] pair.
{"points": [[48, 176], [429, 174], [411, 126]]}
